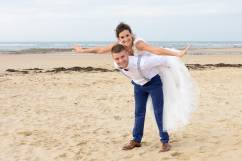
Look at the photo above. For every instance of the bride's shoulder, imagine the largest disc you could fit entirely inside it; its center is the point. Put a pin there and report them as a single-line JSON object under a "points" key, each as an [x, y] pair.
{"points": [[138, 39]]}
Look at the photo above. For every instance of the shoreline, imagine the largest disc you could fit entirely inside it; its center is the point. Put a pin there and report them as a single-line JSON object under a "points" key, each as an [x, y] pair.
{"points": [[71, 59], [192, 51]]}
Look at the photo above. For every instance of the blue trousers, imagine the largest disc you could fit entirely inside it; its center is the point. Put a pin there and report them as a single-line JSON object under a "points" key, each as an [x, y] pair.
{"points": [[141, 93]]}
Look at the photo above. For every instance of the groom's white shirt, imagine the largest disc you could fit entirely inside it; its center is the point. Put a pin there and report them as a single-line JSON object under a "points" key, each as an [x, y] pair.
{"points": [[149, 66]]}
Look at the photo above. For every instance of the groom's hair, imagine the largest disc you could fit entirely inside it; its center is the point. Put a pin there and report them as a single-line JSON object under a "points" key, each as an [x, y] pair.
{"points": [[117, 48]]}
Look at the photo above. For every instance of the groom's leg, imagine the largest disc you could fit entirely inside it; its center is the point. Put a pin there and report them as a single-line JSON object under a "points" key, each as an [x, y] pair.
{"points": [[156, 93], [140, 109]]}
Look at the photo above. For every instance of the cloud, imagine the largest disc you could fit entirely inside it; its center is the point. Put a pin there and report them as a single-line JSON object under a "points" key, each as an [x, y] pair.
{"points": [[108, 8], [68, 16]]}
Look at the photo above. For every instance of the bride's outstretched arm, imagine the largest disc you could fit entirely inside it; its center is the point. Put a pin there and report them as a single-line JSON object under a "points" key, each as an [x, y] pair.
{"points": [[98, 50], [141, 45]]}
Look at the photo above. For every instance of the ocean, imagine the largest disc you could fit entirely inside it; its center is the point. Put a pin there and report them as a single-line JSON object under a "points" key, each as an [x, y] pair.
{"points": [[18, 46]]}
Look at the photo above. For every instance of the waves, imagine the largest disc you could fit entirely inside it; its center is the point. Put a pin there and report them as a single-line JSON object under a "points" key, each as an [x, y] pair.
{"points": [[46, 47]]}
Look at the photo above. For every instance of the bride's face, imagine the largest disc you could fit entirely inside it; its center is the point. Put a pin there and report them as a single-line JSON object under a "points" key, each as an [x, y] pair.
{"points": [[126, 38]]}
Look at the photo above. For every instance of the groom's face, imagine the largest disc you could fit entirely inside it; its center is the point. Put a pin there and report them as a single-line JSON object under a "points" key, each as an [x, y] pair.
{"points": [[121, 59]]}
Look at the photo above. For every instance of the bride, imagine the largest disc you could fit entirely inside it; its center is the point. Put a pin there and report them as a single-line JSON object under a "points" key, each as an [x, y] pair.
{"points": [[179, 89]]}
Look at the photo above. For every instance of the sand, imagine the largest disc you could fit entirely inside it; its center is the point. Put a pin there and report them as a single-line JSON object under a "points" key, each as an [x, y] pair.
{"points": [[88, 114]]}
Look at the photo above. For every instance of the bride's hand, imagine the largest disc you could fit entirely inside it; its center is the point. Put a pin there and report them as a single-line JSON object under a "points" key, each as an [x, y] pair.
{"points": [[184, 51], [78, 49]]}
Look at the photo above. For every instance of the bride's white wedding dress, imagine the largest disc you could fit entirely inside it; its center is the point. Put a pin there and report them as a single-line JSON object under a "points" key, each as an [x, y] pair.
{"points": [[180, 93]]}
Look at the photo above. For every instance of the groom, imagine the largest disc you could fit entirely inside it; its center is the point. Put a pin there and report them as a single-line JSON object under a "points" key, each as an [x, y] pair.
{"points": [[143, 71]]}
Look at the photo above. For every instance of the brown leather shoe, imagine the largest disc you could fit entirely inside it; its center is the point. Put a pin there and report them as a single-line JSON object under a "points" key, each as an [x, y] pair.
{"points": [[165, 147], [131, 145]]}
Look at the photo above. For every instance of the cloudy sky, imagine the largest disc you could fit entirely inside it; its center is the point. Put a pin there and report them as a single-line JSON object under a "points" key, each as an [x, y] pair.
{"points": [[87, 20]]}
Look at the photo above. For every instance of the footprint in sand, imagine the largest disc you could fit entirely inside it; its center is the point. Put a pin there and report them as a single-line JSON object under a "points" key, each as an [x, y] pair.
{"points": [[114, 141], [173, 141], [25, 133], [142, 153], [200, 139], [202, 149], [96, 130], [128, 156], [214, 140], [102, 98], [180, 156], [146, 143], [166, 158], [79, 154], [107, 132], [83, 142], [155, 146], [125, 135], [238, 142], [176, 154], [117, 117], [63, 155]]}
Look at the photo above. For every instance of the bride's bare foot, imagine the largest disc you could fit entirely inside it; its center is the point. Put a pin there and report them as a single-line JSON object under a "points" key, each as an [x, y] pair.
{"points": [[184, 51], [77, 49]]}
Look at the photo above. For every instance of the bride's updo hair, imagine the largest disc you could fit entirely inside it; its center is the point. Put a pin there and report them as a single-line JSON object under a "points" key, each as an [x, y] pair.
{"points": [[121, 27]]}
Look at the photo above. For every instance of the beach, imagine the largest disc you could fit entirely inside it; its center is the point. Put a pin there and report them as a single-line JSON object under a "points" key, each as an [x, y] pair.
{"points": [[67, 107]]}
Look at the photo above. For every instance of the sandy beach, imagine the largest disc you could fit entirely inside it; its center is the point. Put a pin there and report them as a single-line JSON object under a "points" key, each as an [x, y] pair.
{"points": [[84, 110]]}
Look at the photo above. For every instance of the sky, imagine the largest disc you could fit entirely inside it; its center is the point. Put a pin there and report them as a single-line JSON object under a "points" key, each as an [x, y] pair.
{"points": [[95, 20]]}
